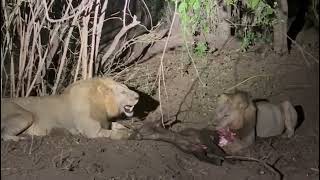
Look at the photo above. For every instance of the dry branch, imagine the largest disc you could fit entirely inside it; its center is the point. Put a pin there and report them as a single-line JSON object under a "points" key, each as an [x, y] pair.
{"points": [[44, 49], [63, 58], [116, 40]]}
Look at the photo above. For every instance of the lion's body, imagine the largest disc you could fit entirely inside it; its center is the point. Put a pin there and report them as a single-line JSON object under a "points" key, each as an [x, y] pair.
{"points": [[81, 109], [243, 120], [44, 112], [274, 120], [269, 121]]}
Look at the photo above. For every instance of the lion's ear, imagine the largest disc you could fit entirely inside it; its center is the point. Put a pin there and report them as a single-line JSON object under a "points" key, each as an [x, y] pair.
{"points": [[223, 98], [243, 105], [103, 90]]}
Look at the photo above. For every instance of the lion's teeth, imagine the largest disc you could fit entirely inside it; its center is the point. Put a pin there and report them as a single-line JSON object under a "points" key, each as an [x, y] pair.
{"points": [[128, 109]]}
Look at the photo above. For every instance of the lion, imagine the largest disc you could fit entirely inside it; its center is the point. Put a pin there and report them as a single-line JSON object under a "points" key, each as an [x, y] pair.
{"points": [[235, 121], [86, 107], [239, 120]]}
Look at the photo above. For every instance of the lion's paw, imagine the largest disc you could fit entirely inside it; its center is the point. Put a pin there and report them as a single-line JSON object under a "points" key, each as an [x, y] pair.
{"points": [[118, 126], [121, 134]]}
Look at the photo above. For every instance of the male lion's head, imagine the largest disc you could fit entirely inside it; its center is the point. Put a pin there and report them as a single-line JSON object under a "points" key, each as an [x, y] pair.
{"points": [[230, 110], [124, 98], [106, 97], [230, 114]]}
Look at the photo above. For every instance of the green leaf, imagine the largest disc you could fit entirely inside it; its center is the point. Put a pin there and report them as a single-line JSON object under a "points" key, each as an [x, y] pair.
{"points": [[269, 11], [183, 7], [253, 3], [196, 5]]}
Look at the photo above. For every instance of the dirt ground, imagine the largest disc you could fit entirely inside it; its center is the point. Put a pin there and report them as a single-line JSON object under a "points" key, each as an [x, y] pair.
{"points": [[293, 77]]}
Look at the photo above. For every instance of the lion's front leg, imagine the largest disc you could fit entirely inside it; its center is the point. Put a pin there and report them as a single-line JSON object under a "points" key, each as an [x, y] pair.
{"points": [[290, 118], [118, 126], [94, 130], [119, 131], [115, 134], [234, 147], [239, 144]]}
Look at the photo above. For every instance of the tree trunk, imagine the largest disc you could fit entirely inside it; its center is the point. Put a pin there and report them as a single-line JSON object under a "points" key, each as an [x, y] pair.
{"points": [[280, 28]]}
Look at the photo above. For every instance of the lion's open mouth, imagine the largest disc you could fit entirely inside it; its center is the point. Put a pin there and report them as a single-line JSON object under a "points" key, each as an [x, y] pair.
{"points": [[226, 136], [128, 110]]}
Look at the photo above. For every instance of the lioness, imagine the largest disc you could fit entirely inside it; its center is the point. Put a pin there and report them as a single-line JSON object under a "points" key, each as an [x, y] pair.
{"points": [[85, 107], [238, 120]]}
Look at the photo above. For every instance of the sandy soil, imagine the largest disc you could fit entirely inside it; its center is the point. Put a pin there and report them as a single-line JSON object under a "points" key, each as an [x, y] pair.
{"points": [[294, 77]]}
